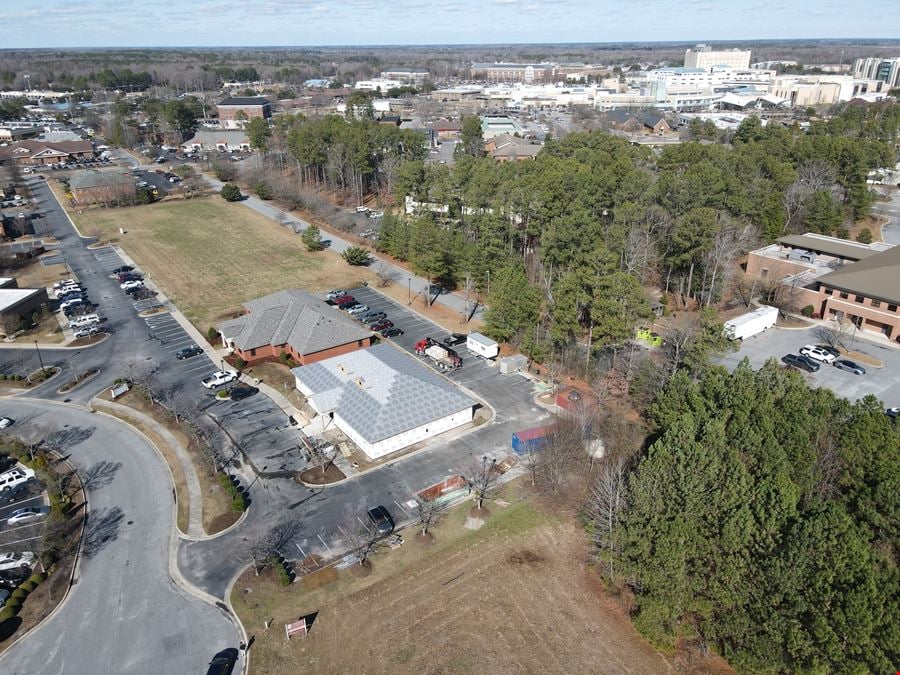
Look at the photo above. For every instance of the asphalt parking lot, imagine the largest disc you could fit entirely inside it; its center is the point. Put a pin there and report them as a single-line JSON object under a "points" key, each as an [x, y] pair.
{"points": [[25, 536], [444, 154], [775, 343], [155, 179]]}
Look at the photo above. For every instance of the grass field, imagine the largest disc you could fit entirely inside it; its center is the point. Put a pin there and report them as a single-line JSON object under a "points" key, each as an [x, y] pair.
{"points": [[512, 597], [209, 256]]}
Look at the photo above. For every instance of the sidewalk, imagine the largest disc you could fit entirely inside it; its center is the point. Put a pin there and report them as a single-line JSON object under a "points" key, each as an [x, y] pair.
{"points": [[195, 494]]}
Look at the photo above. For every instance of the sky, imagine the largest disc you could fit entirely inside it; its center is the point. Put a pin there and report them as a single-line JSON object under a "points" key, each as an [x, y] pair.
{"points": [[163, 23]]}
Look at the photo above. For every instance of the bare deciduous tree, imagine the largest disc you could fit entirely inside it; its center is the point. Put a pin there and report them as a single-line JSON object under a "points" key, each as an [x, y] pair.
{"points": [[321, 454], [483, 477], [386, 275], [606, 504], [264, 549], [363, 540], [429, 512]]}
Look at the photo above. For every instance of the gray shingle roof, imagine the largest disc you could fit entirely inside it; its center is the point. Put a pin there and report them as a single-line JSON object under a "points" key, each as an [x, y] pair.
{"points": [[381, 391], [292, 317], [877, 276], [92, 178]]}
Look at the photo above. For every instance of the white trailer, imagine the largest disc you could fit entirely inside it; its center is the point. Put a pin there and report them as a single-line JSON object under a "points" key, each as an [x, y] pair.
{"points": [[752, 323], [482, 346]]}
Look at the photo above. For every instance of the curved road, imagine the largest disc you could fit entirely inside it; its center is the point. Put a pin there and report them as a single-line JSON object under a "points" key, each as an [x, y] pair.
{"points": [[125, 614]]}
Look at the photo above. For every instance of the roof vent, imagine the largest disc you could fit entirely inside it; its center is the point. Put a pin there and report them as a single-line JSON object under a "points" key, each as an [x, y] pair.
{"points": [[360, 383]]}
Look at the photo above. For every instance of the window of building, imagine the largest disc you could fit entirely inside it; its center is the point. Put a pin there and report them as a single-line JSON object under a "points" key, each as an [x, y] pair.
{"points": [[859, 298], [252, 352], [876, 303], [828, 291], [892, 308], [359, 343], [844, 296]]}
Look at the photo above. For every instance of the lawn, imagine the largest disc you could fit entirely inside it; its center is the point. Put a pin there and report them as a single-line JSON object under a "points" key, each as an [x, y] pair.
{"points": [[208, 256], [514, 596]]}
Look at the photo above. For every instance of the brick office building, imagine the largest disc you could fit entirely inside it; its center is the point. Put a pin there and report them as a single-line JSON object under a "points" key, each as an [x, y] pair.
{"points": [[234, 111], [295, 322], [842, 280]]}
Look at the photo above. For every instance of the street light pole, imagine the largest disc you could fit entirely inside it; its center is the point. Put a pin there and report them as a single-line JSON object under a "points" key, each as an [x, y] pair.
{"points": [[40, 360], [409, 291]]}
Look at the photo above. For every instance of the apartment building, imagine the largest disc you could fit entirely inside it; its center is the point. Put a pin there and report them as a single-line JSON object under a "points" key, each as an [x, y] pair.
{"points": [[885, 70], [514, 72], [704, 56]]}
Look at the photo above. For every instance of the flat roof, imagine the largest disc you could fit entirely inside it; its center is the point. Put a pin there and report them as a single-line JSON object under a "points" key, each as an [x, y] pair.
{"points": [[10, 297], [840, 248]]}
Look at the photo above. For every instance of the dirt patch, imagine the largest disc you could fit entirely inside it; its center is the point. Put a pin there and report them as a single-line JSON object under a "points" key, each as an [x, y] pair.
{"points": [[88, 341], [862, 358], [525, 557], [32, 274], [315, 476], [446, 318], [458, 606]]}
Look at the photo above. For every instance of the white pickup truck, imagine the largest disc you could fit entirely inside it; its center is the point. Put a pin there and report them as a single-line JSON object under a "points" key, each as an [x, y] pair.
{"points": [[218, 378]]}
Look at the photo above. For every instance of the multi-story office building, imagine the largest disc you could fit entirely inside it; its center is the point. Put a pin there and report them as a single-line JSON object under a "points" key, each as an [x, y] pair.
{"points": [[703, 56], [886, 70]]}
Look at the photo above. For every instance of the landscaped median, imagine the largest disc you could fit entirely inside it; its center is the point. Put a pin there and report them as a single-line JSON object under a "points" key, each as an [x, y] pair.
{"points": [[219, 508], [500, 598]]}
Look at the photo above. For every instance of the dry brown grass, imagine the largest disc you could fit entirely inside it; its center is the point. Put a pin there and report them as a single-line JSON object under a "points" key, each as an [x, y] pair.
{"points": [[278, 376], [514, 596], [34, 275], [208, 256]]}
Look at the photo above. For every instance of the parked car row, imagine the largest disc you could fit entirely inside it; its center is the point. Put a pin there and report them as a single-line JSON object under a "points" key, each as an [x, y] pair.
{"points": [[811, 357], [81, 164], [376, 321]]}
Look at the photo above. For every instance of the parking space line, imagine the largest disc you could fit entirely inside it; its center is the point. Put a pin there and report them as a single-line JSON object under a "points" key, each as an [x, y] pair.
{"points": [[19, 541], [24, 501], [323, 543], [401, 508]]}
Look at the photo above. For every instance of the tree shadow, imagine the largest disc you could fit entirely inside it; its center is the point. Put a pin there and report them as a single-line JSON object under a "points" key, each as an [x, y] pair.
{"points": [[69, 436], [102, 528], [100, 474], [9, 627]]}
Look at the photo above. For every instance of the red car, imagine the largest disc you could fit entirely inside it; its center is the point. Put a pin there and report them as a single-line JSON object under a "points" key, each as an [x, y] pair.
{"points": [[381, 325], [341, 299]]}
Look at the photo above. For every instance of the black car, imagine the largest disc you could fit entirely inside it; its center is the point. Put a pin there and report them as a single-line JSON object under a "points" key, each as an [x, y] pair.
{"points": [[188, 352], [349, 305], [123, 269], [223, 662], [382, 520], [391, 332], [242, 392], [454, 339], [802, 362], [129, 276]]}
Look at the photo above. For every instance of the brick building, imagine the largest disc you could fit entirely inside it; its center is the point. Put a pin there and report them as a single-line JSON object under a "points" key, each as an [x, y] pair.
{"points": [[102, 187], [842, 280], [18, 305], [295, 322], [44, 153], [234, 111]]}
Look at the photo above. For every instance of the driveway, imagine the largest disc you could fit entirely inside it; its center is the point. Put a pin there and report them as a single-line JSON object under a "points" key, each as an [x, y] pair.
{"points": [[890, 232], [775, 343], [124, 614]]}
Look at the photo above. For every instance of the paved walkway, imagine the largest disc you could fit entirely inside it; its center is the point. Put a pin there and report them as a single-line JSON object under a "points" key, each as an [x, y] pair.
{"points": [[195, 493], [890, 231]]}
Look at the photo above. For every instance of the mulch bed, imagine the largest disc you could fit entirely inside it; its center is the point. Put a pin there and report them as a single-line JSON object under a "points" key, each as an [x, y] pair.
{"points": [[315, 476]]}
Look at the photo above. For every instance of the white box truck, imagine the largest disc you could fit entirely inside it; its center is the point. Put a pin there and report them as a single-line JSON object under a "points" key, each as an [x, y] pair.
{"points": [[752, 323], [482, 346]]}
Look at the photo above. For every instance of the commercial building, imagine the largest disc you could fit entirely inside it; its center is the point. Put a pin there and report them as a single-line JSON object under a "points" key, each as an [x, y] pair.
{"points": [[295, 322], [235, 111], [225, 140], [383, 399], [378, 84], [44, 153], [19, 304], [704, 56], [406, 75], [885, 70], [842, 280], [494, 125], [506, 148], [514, 72], [812, 90], [93, 186]]}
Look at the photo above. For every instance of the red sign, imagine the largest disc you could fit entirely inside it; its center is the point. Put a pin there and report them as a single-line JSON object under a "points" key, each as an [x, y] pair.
{"points": [[295, 628]]}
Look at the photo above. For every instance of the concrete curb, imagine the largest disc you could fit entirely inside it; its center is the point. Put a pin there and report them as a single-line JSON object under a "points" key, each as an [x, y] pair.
{"points": [[80, 384]]}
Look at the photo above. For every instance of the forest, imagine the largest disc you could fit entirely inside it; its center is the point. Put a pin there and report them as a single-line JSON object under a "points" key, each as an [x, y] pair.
{"points": [[761, 520]]}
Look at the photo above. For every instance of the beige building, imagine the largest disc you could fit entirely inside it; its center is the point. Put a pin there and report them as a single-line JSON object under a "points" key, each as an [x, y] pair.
{"points": [[703, 56]]}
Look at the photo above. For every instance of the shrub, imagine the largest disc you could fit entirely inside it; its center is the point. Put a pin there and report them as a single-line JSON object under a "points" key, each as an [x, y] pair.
{"points": [[38, 578], [212, 334], [842, 233], [14, 603], [808, 311], [312, 238], [27, 586], [356, 255], [7, 613], [225, 172], [239, 363], [2, 377], [20, 593], [284, 576], [239, 503], [231, 192], [283, 357], [262, 189], [864, 236]]}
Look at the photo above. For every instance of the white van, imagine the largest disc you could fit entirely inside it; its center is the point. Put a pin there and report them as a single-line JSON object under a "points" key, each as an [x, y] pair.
{"points": [[84, 320]]}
